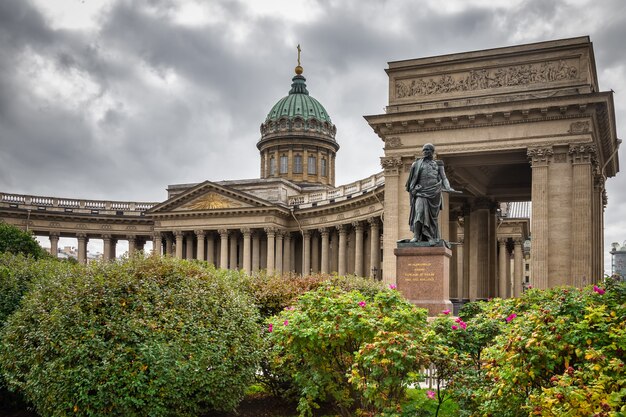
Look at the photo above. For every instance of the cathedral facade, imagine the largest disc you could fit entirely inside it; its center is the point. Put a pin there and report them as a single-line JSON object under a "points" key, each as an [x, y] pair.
{"points": [[524, 132]]}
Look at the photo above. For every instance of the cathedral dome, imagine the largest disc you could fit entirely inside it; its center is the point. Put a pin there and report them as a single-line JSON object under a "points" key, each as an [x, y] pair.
{"points": [[298, 104], [298, 138]]}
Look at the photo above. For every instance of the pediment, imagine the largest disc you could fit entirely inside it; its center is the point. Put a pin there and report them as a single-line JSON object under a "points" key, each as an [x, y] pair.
{"points": [[209, 196]]}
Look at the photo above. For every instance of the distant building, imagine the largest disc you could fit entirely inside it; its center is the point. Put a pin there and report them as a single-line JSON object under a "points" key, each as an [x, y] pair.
{"points": [[618, 264]]}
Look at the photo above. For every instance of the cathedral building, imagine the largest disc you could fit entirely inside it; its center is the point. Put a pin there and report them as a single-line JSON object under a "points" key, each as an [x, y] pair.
{"points": [[524, 132]]}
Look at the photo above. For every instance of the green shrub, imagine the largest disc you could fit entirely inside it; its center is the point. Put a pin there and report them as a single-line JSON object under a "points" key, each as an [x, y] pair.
{"points": [[15, 240], [359, 352], [143, 337]]}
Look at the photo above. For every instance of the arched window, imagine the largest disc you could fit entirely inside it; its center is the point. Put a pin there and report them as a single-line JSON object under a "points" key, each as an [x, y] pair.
{"points": [[324, 168], [272, 166], [297, 164], [283, 164], [312, 166]]}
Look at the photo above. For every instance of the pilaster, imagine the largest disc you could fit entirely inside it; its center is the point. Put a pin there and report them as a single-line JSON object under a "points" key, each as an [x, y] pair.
{"points": [[540, 159], [518, 267]]}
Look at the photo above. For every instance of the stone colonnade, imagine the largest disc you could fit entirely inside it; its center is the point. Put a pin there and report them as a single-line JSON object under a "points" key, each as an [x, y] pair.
{"points": [[135, 243], [483, 265], [351, 248]]}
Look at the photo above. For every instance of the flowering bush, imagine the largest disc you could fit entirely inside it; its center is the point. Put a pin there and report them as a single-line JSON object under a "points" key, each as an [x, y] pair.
{"points": [[154, 336], [562, 355], [359, 352]]}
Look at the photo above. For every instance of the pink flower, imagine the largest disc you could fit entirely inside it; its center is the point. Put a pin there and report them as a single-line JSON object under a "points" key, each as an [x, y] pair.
{"points": [[446, 312], [511, 317], [392, 287], [286, 322], [289, 308], [463, 325], [362, 303], [530, 287], [430, 394], [270, 328], [455, 327], [599, 290], [458, 320]]}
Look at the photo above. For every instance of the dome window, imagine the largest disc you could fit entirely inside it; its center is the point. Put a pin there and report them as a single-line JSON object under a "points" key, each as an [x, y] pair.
{"points": [[297, 164], [283, 164], [312, 165], [272, 166], [324, 168]]}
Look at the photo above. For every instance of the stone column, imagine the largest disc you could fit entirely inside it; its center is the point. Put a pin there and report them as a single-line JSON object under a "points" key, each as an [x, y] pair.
{"points": [[479, 251], [539, 252], [358, 246], [325, 264], [169, 244], [200, 235], [54, 244], [287, 267], [374, 247], [315, 252], [342, 249], [232, 263], [223, 248], [157, 245], [210, 248], [467, 243], [503, 257], [132, 241], [452, 230], [395, 199], [279, 252], [493, 251], [179, 236], [518, 268], [460, 262], [106, 251], [82, 247], [113, 247], [306, 252], [271, 237], [582, 255], [189, 245], [247, 266], [256, 250]]}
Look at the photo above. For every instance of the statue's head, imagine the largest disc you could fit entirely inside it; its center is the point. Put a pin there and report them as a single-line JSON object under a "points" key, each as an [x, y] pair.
{"points": [[428, 150]]}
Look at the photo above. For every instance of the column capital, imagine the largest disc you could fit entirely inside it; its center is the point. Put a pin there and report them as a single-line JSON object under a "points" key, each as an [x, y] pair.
{"points": [[341, 229], [280, 233], [223, 232], [374, 221], [200, 233], [81, 235], [323, 231], [54, 234], [287, 235], [306, 233], [246, 231], [503, 240], [583, 153], [357, 225], [106, 237], [157, 235], [540, 156], [131, 237], [391, 164], [517, 241], [178, 233], [271, 231]]}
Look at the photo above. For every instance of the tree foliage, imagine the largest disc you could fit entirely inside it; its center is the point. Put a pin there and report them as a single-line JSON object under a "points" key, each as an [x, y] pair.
{"points": [[15, 240]]}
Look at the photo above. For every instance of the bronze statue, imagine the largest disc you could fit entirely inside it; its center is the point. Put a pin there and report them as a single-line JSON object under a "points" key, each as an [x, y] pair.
{"points": [[427, 180]]}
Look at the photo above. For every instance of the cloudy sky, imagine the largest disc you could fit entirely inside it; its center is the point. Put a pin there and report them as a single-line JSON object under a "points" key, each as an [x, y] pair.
{"points": [[115, 99]]}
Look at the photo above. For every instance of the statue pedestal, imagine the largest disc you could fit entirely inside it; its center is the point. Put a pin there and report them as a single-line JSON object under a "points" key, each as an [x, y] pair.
{"points": [[423, 276]]}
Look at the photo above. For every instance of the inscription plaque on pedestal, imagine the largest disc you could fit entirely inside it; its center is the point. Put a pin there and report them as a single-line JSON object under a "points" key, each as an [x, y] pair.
{"points": [[423, 276]]}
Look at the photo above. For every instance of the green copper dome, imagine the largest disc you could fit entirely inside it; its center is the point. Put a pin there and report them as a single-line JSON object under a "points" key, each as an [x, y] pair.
{"points": [[298, 104]]}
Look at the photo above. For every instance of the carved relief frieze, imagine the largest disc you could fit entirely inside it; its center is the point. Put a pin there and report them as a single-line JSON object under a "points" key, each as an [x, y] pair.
{"points": [[393, 142], [482, 79], [81, 226], [131, 227], [55, 224], [579, 127], [560, 158], [106, 227], [212, 201]]}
